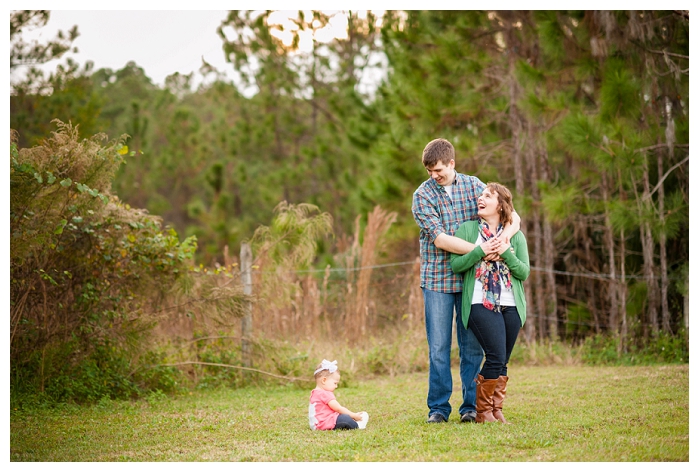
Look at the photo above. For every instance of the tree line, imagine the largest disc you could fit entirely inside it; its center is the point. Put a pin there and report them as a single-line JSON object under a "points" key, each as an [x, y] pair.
{"points": [[583, 114]]}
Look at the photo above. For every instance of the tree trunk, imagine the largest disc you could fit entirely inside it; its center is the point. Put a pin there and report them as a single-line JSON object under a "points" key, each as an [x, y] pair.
{"points": [[548, 246], [624, 329], [649, 273], [530, 326], [590, 283], [516, 128], [535, 237], [685, 318], [648, 257], [536, 277], [664, 282], [613, 289]]}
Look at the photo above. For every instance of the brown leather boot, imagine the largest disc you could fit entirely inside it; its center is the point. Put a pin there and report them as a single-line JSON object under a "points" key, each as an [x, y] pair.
{"points": [[484, 399], [499, 398]]}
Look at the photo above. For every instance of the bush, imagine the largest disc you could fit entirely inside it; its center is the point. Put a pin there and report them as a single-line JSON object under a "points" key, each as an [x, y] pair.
{"points": [[661, 349], [85, 270]]}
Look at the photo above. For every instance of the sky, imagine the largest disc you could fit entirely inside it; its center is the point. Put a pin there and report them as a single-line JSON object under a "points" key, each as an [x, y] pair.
{"points": [[165, 41], [160, 41]]}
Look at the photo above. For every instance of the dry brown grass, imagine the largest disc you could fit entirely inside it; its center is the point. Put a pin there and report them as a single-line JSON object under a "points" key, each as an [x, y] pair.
{"points": [[325, 313], [379, 221]]}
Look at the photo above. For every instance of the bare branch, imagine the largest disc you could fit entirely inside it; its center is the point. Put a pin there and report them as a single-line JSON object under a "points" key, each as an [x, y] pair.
{"points": [[668, 53], [662, 179], [660, 146]]}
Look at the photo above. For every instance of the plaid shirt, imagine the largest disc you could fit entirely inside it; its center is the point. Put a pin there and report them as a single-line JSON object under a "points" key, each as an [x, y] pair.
{"points": [[435, 213]]}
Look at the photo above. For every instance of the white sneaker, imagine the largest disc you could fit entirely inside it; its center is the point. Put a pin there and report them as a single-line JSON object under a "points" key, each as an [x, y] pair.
{"points": [[365, 418]]}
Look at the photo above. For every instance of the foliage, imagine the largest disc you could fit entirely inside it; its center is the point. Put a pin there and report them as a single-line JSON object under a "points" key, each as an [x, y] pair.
{"points": [[665, 349], [291, 241], [219, 350], [84, 269], [35, 99], [23, 53], [71, 99]]}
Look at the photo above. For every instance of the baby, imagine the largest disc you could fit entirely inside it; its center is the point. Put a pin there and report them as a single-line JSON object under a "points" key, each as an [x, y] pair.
{"points": [[324, 412]]}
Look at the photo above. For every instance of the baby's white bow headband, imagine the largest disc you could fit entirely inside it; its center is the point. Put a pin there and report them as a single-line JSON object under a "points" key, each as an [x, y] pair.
{"points": [[326, 365]]}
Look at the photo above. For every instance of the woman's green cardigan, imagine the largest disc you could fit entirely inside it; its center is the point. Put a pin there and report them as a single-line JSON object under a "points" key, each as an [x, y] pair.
{"points": [[466, 264]]}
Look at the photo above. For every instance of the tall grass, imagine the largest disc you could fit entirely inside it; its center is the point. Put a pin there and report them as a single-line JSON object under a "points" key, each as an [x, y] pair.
{"points": [[301, 316]]}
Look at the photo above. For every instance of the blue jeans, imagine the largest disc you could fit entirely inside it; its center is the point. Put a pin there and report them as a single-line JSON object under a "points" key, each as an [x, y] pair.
{"points": [[497, 334], [440, 309], [346, 422]]}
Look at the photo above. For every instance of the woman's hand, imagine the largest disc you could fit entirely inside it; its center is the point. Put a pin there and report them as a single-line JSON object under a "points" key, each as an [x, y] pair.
{"points": [[490, 246], [492, 257], [494, 247], [504, 246]]}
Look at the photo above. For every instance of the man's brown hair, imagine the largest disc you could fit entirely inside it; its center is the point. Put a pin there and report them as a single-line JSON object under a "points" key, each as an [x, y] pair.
{"points": [[437, 150]]}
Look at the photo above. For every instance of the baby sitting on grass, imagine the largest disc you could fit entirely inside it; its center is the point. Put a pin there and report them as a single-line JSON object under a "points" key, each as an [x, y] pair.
{"points": [[324, 412]]}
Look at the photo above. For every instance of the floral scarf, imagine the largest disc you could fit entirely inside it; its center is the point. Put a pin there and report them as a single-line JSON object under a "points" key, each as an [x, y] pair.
{"points": [[490, 273]]}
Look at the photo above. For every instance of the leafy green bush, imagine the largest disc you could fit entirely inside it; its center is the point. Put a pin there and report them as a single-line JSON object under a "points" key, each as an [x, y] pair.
{"points": [[86, 271], [154, 376], [663, 348], [104, 373], [221, 350]]}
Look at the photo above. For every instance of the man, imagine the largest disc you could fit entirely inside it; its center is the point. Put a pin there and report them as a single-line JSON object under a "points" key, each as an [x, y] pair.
{"points": [[440, 205]]}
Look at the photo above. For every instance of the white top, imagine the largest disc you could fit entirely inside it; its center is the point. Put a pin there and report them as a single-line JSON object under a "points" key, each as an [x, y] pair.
{"points": [[507, 296], [447, 188]]}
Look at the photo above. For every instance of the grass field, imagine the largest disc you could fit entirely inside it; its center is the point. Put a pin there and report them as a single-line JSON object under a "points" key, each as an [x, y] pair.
{"points": [[559, 413]]}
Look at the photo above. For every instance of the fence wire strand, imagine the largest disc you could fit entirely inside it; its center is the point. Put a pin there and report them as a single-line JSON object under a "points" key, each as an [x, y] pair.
{"points": [[590, 275]]}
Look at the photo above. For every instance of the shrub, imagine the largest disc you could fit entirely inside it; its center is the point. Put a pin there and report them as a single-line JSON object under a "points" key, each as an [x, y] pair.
{"points": [[85, 270], [663, 348]]}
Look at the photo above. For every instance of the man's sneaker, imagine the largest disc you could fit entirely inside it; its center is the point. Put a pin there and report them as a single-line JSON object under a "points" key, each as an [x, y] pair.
{"points": [[468, 417], [436, 418]]}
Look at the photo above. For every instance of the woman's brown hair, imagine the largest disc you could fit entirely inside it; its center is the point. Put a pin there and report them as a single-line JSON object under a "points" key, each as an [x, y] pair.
{"points": [[504, 201]]}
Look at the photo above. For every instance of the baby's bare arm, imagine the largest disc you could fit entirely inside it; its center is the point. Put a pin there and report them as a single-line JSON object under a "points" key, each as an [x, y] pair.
{"points": [[344, 411]]}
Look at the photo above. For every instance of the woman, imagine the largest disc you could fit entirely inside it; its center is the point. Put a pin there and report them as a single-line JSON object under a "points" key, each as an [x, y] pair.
{"points": [[493, 304]]}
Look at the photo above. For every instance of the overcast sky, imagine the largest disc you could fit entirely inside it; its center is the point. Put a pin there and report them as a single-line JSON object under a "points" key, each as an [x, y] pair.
{"points": [[162, 42]]}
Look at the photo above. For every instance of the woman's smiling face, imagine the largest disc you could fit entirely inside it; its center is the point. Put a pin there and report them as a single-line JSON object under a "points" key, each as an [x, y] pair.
{"points": [[488, 203]]}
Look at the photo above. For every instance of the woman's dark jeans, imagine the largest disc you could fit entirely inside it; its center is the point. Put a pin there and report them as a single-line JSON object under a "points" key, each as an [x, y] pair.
{"points": [[497, 334], [346, 422]]}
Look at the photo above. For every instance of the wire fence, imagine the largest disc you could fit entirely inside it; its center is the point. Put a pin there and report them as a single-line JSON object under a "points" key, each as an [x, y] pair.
{"points": [[395, 295], [293, 303], [590, 275]]}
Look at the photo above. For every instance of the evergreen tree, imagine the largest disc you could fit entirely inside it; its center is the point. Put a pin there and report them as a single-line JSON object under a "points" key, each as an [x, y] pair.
{"points": [[35, 99]]}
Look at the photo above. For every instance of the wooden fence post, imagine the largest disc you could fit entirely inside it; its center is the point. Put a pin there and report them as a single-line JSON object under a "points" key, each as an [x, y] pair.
{"points": [[246, 322]]}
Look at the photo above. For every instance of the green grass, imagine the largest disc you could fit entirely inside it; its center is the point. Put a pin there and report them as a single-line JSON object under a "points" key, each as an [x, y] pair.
{"points": [[559, 413]]}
